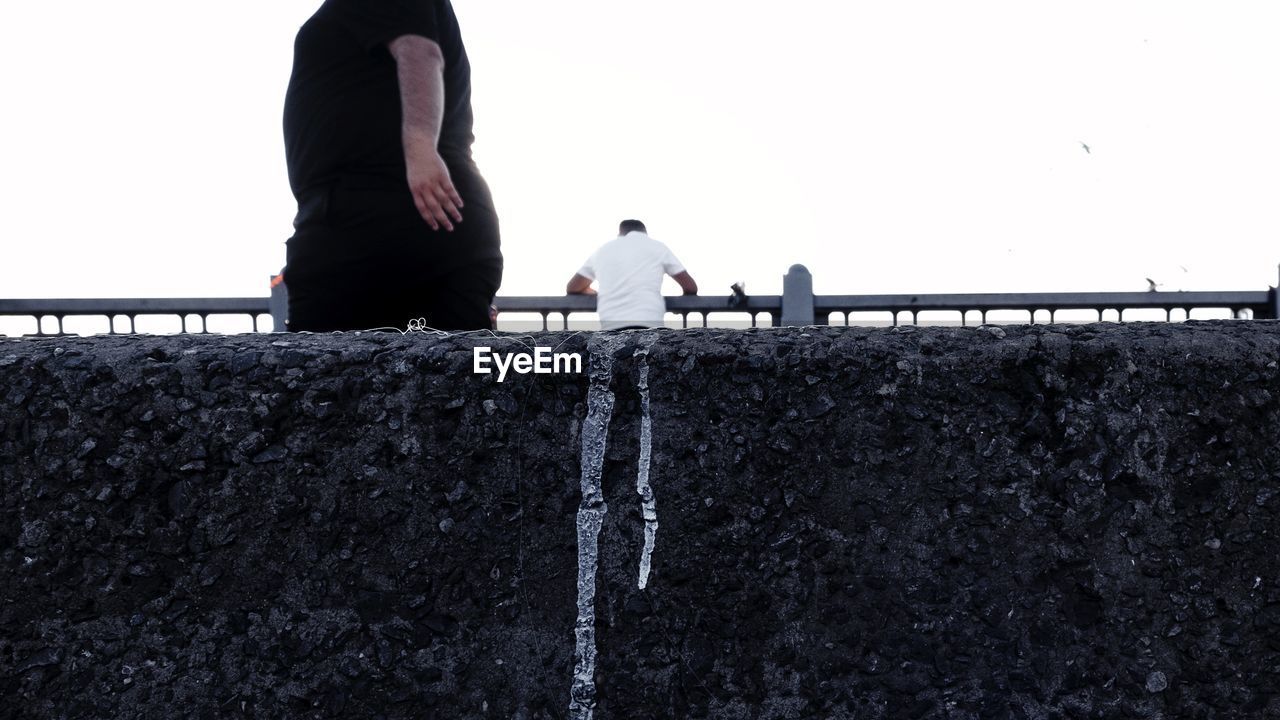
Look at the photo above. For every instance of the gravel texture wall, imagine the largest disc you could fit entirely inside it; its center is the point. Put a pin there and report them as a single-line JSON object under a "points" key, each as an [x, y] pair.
{"points": [[1017, 522]]}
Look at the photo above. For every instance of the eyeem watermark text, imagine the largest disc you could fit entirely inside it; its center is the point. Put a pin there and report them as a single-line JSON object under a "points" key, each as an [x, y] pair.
{"points": [[542, 361]]}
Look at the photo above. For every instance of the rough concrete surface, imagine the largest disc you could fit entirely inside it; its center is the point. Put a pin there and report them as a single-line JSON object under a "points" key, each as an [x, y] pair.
{"points": [[1016, 522]]}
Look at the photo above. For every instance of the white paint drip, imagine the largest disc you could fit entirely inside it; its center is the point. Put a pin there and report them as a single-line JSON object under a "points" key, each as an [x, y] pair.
{"points": [[591, 512], [582, 697], [647, 505]]}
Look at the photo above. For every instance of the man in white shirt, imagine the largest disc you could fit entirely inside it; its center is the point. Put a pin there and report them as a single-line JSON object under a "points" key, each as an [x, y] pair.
{"points": [[629, 270]]}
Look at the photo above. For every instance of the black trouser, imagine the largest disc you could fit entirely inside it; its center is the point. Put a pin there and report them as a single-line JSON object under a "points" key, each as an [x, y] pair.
{"points": [[362, 258]]}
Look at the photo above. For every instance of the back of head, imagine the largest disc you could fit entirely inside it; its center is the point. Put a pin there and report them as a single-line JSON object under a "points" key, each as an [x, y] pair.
{"points": [[630, 226]]}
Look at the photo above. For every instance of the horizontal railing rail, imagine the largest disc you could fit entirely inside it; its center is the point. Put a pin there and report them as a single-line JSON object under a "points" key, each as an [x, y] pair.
{"points": [[796, 306]]}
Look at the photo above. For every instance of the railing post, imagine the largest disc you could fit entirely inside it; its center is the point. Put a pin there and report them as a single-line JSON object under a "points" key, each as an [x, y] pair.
{"points": [[1275, 302], [278, 304], [797, 297]]}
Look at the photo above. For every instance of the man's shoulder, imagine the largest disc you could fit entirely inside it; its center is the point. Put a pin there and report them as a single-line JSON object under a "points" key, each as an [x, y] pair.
{"points": [[610, 245], [630, 253], [655, 246], [638, 239]]}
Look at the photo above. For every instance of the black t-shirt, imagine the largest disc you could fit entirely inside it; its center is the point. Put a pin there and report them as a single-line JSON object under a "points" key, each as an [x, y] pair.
{"points": [[342, 113]]}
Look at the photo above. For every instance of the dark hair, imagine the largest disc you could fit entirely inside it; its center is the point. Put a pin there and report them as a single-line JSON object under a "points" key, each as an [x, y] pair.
{"points": [[631, 226]]}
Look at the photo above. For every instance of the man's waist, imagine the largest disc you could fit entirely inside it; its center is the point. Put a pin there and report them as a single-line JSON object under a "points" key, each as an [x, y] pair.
{"points": [[643, 306], [389, 176], [384, 189]]}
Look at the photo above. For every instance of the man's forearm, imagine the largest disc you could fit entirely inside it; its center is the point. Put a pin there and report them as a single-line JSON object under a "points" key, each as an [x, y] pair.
{"points": [[686, 282], [579, 285], [420, 68]]}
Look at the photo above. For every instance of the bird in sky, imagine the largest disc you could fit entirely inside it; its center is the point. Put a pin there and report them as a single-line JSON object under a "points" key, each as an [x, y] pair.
{"points": [[1152, 285], [1086, 147]]}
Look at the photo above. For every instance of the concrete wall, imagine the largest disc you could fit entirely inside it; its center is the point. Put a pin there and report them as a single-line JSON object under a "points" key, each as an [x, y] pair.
{"points": [[1032, 522]]}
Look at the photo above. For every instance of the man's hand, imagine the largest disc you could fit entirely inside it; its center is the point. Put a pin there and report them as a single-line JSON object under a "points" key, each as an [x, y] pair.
{"points": [[433, 192]]}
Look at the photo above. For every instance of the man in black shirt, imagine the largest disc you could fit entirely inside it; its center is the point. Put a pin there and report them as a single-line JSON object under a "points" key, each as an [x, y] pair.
{"points": [[394, 220]]}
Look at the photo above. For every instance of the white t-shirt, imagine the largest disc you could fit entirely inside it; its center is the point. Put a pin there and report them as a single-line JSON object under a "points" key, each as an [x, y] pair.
{"points": [[629, 271]]}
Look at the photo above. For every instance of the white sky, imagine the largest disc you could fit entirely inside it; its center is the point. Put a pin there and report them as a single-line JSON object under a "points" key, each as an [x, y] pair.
{"points": [[904, 146]]}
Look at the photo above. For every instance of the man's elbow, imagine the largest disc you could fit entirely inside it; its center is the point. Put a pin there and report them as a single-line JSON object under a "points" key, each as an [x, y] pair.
{"points": [[687, 283]]}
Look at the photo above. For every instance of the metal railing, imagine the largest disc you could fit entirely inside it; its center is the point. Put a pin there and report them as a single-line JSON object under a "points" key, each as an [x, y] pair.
{"points": [[796, 306], [1256, 305], [120, 311]]}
